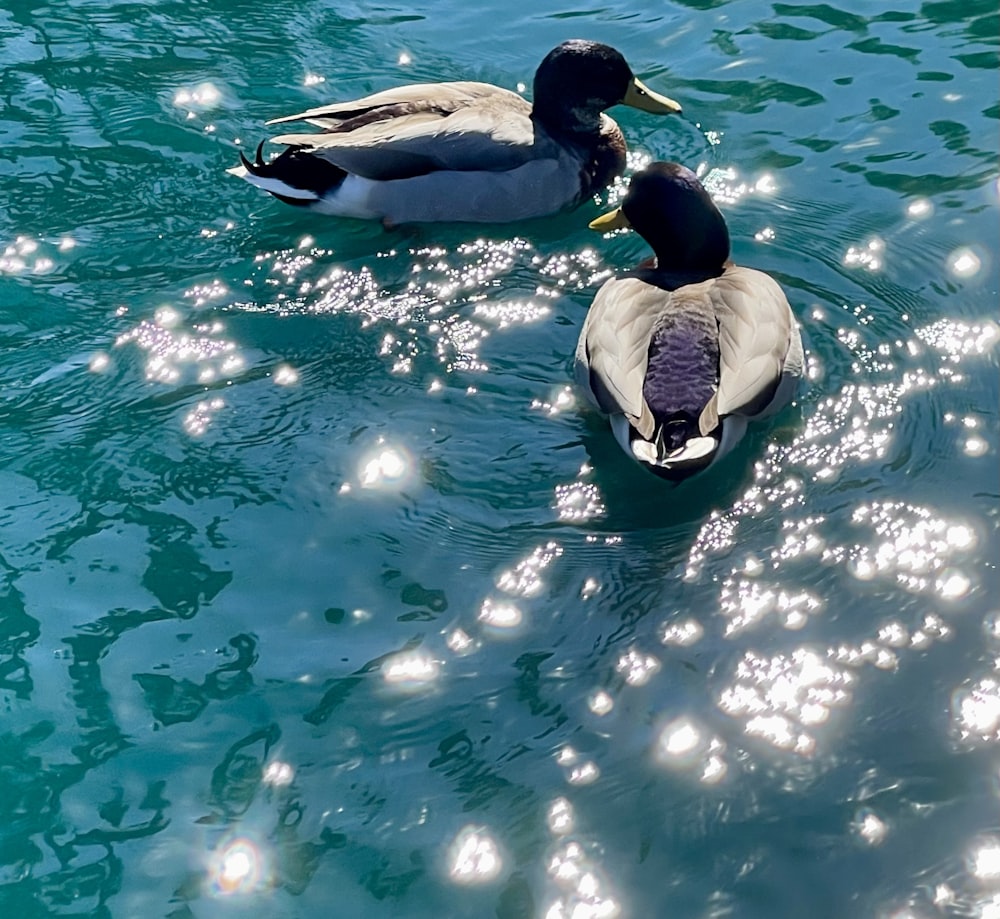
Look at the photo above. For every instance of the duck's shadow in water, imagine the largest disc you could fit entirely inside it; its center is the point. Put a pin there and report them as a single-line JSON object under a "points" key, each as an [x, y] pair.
{"points": [[636, 499]]}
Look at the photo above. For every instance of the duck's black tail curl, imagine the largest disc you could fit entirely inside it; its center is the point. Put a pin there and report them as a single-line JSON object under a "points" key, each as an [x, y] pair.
{"points": [[298, 170]]}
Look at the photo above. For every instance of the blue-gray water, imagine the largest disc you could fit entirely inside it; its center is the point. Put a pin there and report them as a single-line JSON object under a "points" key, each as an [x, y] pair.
{"points": [[324, 595]]}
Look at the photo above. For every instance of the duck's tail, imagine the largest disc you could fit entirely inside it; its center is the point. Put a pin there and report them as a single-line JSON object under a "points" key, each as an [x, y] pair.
{"points": [[295, 176], [677, 450]]}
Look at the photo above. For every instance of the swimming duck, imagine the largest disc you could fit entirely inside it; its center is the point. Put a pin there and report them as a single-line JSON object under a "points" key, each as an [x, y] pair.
{"points": [[463, 151], [683, 351]]}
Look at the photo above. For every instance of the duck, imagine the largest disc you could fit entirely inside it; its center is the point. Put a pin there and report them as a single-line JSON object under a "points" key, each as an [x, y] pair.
{"points": [[463, 151], [685, 350]]}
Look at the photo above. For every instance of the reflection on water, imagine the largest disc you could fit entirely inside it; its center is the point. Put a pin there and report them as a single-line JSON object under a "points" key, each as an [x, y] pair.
{"points": [[475, 857], [321, 589]]}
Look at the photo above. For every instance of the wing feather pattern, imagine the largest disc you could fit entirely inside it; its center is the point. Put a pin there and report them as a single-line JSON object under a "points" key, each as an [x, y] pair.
{"points": [[415, 130], [613, 349], [756, 327], [439, 97]]}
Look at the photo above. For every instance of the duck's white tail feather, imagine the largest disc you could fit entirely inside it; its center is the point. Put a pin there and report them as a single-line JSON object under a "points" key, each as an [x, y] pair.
{"points": [[275, 186]]}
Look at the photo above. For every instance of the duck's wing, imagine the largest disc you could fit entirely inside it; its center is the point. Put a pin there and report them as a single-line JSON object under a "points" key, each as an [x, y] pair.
{"points": [[442, 98], [413, 131], [759, 346], [613, 349]]}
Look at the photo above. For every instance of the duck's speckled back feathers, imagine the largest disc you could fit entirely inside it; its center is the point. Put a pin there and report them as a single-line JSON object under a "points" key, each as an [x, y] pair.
{"points": [[683, 353], [682, 370]]}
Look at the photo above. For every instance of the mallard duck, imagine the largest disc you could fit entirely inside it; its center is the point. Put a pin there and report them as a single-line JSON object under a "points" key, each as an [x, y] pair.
{"points": [[463, 151], [683, 351]]}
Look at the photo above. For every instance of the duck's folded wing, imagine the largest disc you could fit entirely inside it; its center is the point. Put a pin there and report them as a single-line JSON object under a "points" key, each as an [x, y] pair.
{"points": [[492, 133], [757, 344], [613, 349], [441, 98]]}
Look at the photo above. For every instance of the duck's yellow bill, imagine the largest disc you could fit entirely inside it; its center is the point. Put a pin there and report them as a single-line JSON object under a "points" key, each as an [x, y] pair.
{"points": [[612, 220], [640, 96]]}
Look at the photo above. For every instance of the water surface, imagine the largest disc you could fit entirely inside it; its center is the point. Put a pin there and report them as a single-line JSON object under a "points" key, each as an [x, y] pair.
{"points": [[325, 594]]}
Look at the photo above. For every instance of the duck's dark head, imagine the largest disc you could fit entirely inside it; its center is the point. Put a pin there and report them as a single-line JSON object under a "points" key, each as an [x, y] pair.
{"points": [[579, 79], [670, 209]]}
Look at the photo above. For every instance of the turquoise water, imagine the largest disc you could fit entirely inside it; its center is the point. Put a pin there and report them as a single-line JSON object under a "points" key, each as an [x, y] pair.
{"points": [[325, 595]]}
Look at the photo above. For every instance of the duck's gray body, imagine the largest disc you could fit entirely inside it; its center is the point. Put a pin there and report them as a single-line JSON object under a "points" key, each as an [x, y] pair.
{"points": [[442, 152], [681, 373], [462, 151], [682, 362]]}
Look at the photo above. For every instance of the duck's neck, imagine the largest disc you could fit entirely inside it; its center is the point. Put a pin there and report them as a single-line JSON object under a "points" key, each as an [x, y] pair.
{"points": [[667, 275], [574, 121]]}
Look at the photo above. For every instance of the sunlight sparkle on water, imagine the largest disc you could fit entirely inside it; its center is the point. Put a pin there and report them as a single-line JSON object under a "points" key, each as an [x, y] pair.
{"points": [[198, 419], [956, 339], [238, 867], [579, 502], [870, 827], [440, 281], [574, 270], [975, 711], [203, 96], [99, 362], [24, 255], [173, 354], [682, 634], [975, 446], [386, 467], [984, 861], [561, 400], [964, 262], [868, 256], [474, 857], [600, 702], [721, 184], [460, 642], [952, 585], [678, 740], [682, 745], [943, 896], [911, 546], [278, 774], [506, 313], [567, 755], [920, 209], [166, 317], [500, 615], [524, 580], [637, 668], [765, 185], [781, 696], [411, 669], [585, 773], [560, 817], [713, 770], [285, 375], [582, 893]]}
